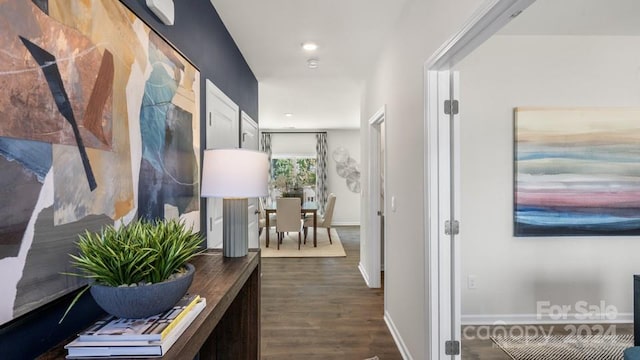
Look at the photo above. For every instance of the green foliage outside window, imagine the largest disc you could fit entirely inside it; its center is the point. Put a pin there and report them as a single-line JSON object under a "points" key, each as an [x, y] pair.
{"points": [[293, 173]]}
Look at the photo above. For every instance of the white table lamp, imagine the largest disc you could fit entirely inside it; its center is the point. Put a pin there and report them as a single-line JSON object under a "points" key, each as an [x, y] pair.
{"points": [[234, 175]]}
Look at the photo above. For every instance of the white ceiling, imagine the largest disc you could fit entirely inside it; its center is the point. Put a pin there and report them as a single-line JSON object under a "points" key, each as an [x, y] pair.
{"points": [[349, 33], [578, 17]]}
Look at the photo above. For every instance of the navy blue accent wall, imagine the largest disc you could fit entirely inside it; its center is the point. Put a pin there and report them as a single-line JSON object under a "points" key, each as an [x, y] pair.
{"points": [[202, 37], [34, 333]]}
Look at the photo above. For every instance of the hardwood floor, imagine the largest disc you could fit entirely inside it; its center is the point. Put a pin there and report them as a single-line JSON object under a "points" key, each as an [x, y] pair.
{"points": [[320, 308]]}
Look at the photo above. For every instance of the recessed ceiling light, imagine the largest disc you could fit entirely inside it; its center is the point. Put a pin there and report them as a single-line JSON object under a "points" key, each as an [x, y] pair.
{"points": [[313, 63], [310, 46], [288, 114]]}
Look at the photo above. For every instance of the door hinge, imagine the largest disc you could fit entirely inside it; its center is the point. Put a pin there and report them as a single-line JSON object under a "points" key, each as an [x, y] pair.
{"points": [[452, 347], [451, 227], [451, 107]]}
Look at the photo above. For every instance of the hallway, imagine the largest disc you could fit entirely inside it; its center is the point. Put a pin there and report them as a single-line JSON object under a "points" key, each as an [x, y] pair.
{"points": [[320, 308]]}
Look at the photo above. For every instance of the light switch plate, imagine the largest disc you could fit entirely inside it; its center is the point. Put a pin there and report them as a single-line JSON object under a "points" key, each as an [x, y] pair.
{"points": [[163, 9]]}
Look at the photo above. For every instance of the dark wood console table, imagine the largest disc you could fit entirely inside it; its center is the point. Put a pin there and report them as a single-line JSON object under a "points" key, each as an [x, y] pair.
{"points": [[229, 326]]}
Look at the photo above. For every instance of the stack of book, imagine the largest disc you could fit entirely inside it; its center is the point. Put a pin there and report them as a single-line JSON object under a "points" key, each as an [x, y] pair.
{"points": [[151, 336]]}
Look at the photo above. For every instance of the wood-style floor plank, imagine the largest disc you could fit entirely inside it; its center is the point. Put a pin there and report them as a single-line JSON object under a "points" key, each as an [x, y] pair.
{"points": [[320, 308]]}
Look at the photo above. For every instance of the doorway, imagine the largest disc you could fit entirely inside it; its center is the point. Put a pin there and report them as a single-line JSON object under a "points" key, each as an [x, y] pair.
{"points": [[442, 183], [576, 72], [373, 266]]}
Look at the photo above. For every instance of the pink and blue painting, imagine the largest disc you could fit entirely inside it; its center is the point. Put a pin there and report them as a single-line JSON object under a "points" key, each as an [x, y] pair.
{"points": [[577, 172]]}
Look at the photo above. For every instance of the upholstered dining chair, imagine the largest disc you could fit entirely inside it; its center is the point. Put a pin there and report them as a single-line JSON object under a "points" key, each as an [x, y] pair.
{"points": [[262, 218], [324, 220], [288, 212]]}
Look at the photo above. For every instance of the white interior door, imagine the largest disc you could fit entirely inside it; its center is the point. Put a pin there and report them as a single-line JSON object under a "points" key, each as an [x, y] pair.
{"points": [[442, 175], [456, 254], [381, 161], [249, 140], [375, 232], [442, 214], [449, 170], [223, 118]]}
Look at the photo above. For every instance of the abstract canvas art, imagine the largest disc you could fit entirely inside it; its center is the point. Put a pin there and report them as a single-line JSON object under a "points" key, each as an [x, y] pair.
{"points": [[577, 172], [99, 124]]}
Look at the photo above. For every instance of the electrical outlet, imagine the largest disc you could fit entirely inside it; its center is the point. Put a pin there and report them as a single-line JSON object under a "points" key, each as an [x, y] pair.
{"points": [[472, 282]]}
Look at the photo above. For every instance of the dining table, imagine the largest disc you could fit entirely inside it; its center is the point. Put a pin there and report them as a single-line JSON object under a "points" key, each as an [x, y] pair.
{"points": [[308, 207]]}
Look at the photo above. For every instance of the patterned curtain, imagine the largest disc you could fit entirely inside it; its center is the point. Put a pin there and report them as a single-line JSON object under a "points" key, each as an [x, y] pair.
{"points": [[321, 171], [265, 146]]}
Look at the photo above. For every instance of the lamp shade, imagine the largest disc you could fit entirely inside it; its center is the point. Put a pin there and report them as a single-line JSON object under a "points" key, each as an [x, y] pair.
{"points": [[234, 173]]}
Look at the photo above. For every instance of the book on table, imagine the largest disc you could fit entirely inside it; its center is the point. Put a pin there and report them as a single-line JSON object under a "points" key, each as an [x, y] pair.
{"points": [[154, 327], [127, 344]]}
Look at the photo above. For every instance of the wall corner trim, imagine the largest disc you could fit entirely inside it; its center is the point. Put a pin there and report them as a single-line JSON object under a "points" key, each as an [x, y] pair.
{"points": [[406, 355], [365, 276]]}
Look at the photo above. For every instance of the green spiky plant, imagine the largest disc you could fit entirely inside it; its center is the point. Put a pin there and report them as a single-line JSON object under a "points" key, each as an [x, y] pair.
{"points": [[142, 252]]}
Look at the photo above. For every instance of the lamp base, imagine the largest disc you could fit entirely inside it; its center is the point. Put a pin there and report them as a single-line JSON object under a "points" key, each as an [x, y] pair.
{"points": [[235, 231]]}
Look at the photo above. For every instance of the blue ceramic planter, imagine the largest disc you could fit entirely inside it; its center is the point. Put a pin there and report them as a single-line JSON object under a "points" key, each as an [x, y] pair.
{"points": [[142, 301]]}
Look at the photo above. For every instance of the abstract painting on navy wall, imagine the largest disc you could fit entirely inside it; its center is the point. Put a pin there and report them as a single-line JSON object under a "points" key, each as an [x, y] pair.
{"points": [[577, 172], [99, 124], [168, 169]]}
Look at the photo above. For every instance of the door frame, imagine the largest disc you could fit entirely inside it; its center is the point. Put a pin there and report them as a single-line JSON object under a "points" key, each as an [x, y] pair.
{"points": [[254, 238], [442, 267], [371, 270], [245, 117], [212, 90], [213, 206]]}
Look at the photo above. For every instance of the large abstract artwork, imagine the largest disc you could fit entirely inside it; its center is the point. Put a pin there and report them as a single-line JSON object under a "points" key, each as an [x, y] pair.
{"points": [[99, 124], [577, 172]]}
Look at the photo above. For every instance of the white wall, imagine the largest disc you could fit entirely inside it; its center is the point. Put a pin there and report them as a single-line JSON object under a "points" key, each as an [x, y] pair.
{"points": [[397, 81], [290, 145], [513, 273], [347, 210]]}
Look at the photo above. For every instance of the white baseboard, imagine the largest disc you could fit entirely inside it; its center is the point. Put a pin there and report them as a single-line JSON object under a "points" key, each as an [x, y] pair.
{"points": [[365, 276], [396, 337], [345, 223], [523, 319]]}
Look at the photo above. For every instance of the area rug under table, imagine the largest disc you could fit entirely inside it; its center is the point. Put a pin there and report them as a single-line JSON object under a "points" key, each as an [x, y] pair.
{"points": [[569, 347], [289, 246]]}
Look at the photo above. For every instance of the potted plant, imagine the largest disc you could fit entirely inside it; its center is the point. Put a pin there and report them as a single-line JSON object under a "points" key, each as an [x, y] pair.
{"points": [[139, 269]]}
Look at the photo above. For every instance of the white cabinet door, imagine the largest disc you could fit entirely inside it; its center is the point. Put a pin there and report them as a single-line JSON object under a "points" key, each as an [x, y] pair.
{"points": [[222, 119], [249, 140], [222, 133]]}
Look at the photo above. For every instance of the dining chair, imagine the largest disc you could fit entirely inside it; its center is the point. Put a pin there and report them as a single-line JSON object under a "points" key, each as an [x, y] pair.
{"points": [[324, 220], [262, 218], [288, 212]]}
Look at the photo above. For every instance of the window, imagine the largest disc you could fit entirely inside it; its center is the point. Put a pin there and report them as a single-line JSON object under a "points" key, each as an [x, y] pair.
{"points": [[293, 165], [294, 172]]}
